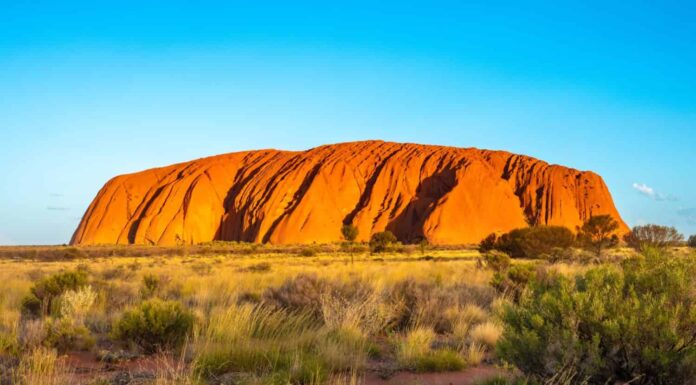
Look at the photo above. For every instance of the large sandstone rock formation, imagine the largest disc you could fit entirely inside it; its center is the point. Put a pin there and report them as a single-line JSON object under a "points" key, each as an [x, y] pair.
{"points": [[445, 194]]}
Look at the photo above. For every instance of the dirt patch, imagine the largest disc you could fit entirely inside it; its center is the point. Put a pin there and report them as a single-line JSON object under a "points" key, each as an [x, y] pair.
{"points": [[468, 376]]}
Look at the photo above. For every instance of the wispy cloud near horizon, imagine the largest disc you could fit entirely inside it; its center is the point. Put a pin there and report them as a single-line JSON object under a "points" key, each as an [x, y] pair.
{"points": [[652, 193]]}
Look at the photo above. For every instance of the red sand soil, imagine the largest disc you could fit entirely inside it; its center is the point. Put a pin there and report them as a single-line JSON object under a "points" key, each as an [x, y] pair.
{"points": [[468, 376]]}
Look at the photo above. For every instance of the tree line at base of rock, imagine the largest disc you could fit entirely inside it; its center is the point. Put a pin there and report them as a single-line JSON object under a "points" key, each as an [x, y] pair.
{"points": [[596, 235]]}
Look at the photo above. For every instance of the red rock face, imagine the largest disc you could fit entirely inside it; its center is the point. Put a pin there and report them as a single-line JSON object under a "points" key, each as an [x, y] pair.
{"points": [[445, 194]]}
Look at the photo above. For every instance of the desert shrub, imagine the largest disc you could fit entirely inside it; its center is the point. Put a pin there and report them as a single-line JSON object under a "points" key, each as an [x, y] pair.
{"points": [[201, 268], [653, 236], [424, 303], [303, 293], [598, 233], [692, 241], [45, 291], [488, 243], [75, 304], [31, 333], [611, 324], [382, 241], [349, 232], [73, 253], [354, 248], [535, 242], [151, 285], [260, 267], [155, 325], [496, 260], [308, 252], [9, 345], [65, 335], [300, 293], [513, 280]]}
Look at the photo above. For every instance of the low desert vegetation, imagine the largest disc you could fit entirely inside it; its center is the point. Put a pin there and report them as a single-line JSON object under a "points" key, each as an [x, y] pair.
{"points": [[530, 242], [628, 323], [382, 242], [537, 307]]}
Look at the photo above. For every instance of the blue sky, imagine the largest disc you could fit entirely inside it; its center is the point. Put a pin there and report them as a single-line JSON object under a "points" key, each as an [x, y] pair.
{"points": [[92, 89]]}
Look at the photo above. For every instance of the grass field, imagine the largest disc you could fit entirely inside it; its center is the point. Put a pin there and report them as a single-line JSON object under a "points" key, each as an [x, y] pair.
{"points": [[245, 315]]}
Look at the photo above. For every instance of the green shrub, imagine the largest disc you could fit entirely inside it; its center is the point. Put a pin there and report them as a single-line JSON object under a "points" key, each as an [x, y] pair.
{"points": [[382, 241], [513, 280], [497, 260], [692, 241], [65, 335], [45, 291], [151, 284], [535, 242], [488, 243], [611, 324], [155, 325]]}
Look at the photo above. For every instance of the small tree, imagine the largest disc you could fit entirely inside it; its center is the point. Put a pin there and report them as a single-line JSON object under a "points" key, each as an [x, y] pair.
{"points": [[656, 236], [598, 233], [380, 242], [692, 241], [423, 245], [349, 232]]}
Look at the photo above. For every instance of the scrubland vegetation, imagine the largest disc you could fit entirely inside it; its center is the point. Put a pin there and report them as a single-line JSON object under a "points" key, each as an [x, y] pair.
{"points": [[537, 306]]}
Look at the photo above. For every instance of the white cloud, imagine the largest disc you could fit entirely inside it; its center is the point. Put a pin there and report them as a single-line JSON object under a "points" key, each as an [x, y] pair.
{"points": [[651, 193], [644, 189]]}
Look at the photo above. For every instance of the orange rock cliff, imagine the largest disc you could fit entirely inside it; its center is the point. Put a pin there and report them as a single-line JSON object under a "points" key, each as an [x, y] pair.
{"points": [[448, 195]]}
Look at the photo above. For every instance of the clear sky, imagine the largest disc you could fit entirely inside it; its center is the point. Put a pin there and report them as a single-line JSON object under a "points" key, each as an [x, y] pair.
{"points": [[92, 89]]}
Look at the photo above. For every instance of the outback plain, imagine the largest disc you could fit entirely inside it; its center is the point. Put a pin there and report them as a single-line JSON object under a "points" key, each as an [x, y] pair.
{"points": [[350, 313]]}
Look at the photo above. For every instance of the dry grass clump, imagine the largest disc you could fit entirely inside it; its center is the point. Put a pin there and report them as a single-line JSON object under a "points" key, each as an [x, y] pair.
{"points": [[38, 367], [415, 352], [486, 334]]}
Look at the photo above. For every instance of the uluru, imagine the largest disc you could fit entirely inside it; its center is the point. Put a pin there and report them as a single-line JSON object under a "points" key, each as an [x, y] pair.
{"points": [[446, 195]]}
